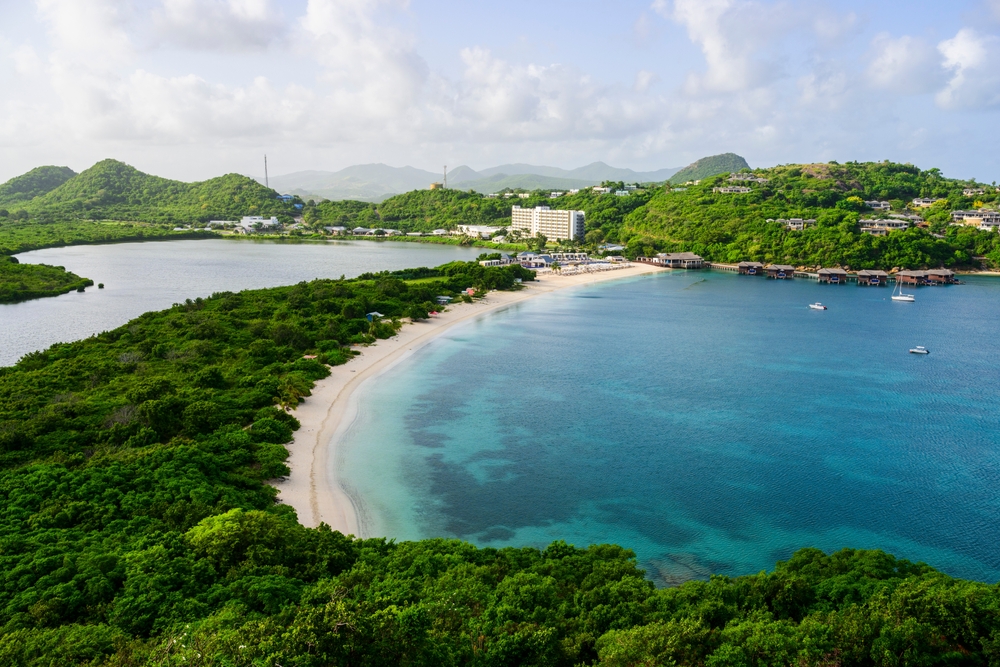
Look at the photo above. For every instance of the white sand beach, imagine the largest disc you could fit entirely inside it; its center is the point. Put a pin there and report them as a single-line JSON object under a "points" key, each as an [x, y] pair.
{"points": [[313, 487]]}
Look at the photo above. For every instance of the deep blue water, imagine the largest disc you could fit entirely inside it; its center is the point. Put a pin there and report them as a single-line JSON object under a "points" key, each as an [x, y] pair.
{"points": [[711, 422]]}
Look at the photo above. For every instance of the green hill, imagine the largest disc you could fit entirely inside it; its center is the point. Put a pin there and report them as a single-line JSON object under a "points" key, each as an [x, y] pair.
{"points": [[35, 183], [735, 227], [710, 166], [112, 190], [139, 528]]}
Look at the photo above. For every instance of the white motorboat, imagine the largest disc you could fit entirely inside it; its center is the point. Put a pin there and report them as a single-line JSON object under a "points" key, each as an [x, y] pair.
{"points": [[919, 349], [817, 306]]}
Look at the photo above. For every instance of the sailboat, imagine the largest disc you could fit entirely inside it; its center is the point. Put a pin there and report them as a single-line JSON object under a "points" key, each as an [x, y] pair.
{"points": [[910, 298]]}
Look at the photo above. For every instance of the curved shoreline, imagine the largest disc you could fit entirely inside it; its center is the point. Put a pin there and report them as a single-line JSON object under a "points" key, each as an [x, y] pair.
{"points": [[313, 487]]}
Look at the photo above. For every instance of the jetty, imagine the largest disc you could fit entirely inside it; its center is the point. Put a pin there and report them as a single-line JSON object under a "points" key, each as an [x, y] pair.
{"points": [[838, 276]]}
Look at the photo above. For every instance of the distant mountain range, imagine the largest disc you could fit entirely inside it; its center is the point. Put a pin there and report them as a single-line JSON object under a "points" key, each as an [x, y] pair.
{"points": [[377, 182]]}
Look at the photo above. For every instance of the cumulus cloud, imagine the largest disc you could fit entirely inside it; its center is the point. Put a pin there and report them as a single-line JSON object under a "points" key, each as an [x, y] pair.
{"points": [[219, 25], [736, 38], [904, 65], [971, 59]]}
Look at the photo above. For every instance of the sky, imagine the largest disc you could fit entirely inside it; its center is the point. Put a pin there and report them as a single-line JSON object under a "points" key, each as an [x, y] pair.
{"points": [[191, 89]]}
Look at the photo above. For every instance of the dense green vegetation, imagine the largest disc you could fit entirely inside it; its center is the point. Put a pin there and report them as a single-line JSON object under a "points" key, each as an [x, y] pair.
{"points": [[710, 166], [20, 282], [16, 237], [35, 183], [734, 227], [137, 527], [112, 190]]}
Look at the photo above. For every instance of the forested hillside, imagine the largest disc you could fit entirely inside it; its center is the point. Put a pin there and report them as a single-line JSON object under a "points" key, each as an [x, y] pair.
{"points": [[427, 210], [35, 183], [734, 227], [710, 166], [112, 190], [137, 528]]}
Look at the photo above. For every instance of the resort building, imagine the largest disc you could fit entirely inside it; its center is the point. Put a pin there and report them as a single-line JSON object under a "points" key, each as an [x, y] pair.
{"points": [[601, 191], [750, 268], [879, 205], [939, 277], [747, 177], [251, 223], [530, 260], [983, 219], [925, 203], [883, 226], [478, 231], [732, 190], [870, 277], [558, 225], [780, 271], [556, 195], [833, 276], [504, 260], [912, 277], [794, 224], [971, 192], [679, 260]]}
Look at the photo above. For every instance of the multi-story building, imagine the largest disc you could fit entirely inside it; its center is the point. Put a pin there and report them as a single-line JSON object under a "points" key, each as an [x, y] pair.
{"points": [[553, 224], [984, 219], [732, 190], [879, 205]]}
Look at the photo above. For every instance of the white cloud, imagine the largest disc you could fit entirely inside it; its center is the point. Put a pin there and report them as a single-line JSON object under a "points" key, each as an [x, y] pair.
{"points": [[736, 37], [26, 61], [904, 65], [971, 58], [219, 25], [643, 80]]}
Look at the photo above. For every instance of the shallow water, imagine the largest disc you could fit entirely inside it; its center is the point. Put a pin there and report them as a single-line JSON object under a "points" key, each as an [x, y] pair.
{"points": [[710, 422], [140, 277]]}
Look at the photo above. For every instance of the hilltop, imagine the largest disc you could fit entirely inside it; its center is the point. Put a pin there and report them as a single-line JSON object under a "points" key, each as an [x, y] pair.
{"points": [[35, 183], [113, 190], [709, 166]]}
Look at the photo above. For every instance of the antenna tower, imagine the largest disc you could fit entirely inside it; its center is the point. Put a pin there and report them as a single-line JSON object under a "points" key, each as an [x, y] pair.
{"points": [[267, 181], [446, 177]]}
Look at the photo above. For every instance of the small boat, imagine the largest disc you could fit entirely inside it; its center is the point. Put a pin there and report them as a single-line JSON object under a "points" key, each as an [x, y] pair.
{"points": [[817, 306], [919, 349], [908, 298]]}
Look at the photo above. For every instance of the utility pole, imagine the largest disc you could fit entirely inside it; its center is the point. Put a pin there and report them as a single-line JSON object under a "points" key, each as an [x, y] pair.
{"points": [[446, 177], [267, 181]]}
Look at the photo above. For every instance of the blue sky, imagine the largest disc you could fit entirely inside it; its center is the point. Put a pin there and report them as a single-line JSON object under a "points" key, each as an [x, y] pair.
{"points": [[194, 88]]}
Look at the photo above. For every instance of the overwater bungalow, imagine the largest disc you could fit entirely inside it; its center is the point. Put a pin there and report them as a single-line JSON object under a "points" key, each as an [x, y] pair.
{"points": [[872, 277], [832, 276], [911, 277], [750, 268], [939, 277], [679, 260], [780, 271]]}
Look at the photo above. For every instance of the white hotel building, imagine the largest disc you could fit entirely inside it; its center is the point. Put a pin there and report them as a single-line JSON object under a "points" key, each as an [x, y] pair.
{"points": [[555, 225]]}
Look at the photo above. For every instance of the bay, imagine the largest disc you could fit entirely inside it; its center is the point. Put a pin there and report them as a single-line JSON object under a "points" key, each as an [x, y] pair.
{"points": [[140, 277], [711, 422]]}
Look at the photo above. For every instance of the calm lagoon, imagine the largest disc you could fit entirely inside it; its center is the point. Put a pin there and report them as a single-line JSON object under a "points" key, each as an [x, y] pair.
{"points": [[711, 422], [140, 277]]}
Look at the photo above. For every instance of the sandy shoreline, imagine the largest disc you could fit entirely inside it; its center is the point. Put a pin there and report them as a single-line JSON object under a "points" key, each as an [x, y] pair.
{"points": [[313, 488]]}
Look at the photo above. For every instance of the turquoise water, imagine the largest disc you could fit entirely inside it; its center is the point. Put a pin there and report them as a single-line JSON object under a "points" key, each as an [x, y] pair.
{"points": [[711, 422]]}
